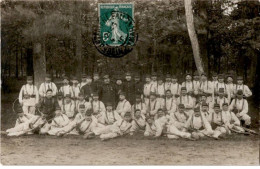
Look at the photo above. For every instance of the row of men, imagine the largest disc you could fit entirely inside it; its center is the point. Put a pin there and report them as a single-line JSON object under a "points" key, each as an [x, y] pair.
{"points": [[111, 123], [29, 95]]}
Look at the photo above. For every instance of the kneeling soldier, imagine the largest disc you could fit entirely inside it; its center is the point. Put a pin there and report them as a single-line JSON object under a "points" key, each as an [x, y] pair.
{"points": [[138, 122]]}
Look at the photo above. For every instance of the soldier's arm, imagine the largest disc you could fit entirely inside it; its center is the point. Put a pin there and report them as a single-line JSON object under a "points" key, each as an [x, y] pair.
{"points": [[231, 106], [147, 130], [248, 92], [55, 89], [21, 95]]}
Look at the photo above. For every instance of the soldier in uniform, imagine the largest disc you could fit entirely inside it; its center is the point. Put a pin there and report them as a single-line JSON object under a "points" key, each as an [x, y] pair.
{"points": [[66, 88], [168, 82], [75, 88], [175, 87], [47, 85], [69, 107], [220, 99], [87, 89], [108, 91], [110, 116], [147, 88], [129, 88], [97, 106], [188, 83], [96, 84], [170, 103], [240, 86], [83, 81], [123, 105], [154, 81], [60, 99], [81, 101], [29, 96], [138, 122], [230, 87], [186, 100], [206, 87], [239, 106], [119, 87], [153, 105], [138, 85], [160, 90], [139, 105], [221, 84]]}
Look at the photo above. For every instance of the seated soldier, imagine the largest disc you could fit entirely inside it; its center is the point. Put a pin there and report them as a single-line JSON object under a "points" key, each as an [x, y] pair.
{"points": [[218, 122], [84, 123], [81, 101], [240, 107], [123, 105], [153, 105], [60, 99], [66, 88], [175, 87], [231, 120], [206, 111], [138, 122], [97, 106], [198, 125], [119, 128], [241, 86], [110, 116], [170, 103], [203, 99], [152, 127], [139, 105], [220, 99], [60, 120], [69, 107], [160, 90]]}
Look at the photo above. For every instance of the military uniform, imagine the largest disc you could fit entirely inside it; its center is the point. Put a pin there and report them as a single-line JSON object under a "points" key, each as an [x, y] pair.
{"points": [[123, 106], [141, 106], [108, 93], [129, 89], [47, 85], [69, 108], [245, 89], [138, 123]]}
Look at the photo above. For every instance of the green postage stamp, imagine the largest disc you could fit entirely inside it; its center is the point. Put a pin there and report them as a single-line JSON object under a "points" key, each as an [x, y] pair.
{"points": [[116, 24]]}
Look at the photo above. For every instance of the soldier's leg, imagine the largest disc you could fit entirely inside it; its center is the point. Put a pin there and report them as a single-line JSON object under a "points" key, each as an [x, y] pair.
{"points": [[247, 119], [171, 136], [238, 128], [45, 128], [174, 130], [18, 128], [103, 130], [108, 135]]}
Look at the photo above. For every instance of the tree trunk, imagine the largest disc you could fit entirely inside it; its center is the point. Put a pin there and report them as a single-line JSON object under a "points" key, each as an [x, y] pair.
{"points": [[39, 63], [29, 61], [16, 63], [193, 35], [21, 61]]}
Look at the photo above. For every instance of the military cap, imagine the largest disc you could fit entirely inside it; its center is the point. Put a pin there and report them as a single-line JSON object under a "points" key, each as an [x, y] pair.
{"points": [[203, 74], [82, 106], [214, 74], [95, 93], [154, 74], [160, 109], [229, 75], [81, 94], [204, 104], [84, 76], [183, 88], [74, 78], [29, 78], [221, 90], [67, 96], [89, 112], [216, 105], [147, 76], [48, 75], [152, 93], [109, 104], [188, 74], [137, 110], [57, 108], [239, 78], [168, 90], [197, 109], [138, 96], [203, 94], [49, 90], [220, 76], [122, 93], [127, 114], [225, 104], [196, 73], [137, 75], [160, 78], [181, 106], [239, 92]]}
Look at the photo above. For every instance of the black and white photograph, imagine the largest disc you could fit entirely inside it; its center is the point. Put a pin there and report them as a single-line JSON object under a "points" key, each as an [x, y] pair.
{"points": [[130, 82]]}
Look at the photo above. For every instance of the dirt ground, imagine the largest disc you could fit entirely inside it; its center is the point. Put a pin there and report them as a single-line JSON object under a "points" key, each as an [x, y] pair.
{"points": [[128, 150]]}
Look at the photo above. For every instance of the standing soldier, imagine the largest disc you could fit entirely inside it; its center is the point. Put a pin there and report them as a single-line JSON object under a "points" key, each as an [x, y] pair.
{"points": [[153, 105], [240, 107], [29, 96], [170, 103], [128, 88], [118, 87], [160, 90], [87, 89], [139, 105], [147, 88], [83, 81], [168, 82], [96, 84], [230, 87], [66, 88], [47, 85], [175, 87], [221, 84], [123, 105], [186, 100], [188, 84], [108, 91], [240, 86], [75, 88], [214, 79], [196, 84], [154, 81], [206, 87], [138, 85]]}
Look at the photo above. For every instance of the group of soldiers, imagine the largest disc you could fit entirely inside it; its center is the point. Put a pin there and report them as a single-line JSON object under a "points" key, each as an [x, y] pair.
{"points": [[161, 106]]}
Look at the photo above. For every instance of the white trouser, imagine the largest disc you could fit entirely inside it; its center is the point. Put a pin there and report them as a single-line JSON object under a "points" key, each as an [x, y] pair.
{"points": [[246, 118], [172, 130], [219, 130], [29, 109]]}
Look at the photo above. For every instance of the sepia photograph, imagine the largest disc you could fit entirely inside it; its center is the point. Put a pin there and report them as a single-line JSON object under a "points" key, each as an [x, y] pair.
{"points": [[130, 82]]}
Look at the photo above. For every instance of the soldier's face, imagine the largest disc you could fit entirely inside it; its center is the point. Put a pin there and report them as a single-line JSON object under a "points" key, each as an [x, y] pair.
{"points": [[204, 108], [30, 82], [95, 98], [160, 82], [75, 82], [49, 94], [225, 107], [184, 92], [215, 78], [203, 98], [137, 114], [221, 80], [81, 98], [121, 97], [119, 82], [137, 79], [181, 110], [203, 78], [128, 78], [168, 94], [217, 109], [160, 113], [89, 80], [221, 95], [82, 110], [239, 82], [174, 81], [188, 78], [154, 78], [48, 80], [106, 80], [147, 79], [240, 97], [20, 115], [59, 97], [83, 79], [150, 121], [66, 81], [196, 114], [127, 118], [88, 118], [58, 112], [109, 108], [196, 78], [229, 80], [67, 100], [96, 77], [138, 100]]}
